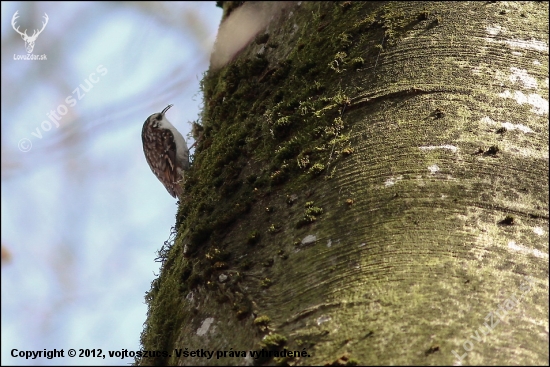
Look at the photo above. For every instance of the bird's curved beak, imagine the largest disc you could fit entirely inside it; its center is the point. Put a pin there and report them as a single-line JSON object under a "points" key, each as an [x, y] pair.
{"points": [[166, 109]]}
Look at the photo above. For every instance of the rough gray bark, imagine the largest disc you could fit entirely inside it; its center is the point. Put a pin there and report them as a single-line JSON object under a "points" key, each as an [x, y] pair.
{"points": [[371, 187]]}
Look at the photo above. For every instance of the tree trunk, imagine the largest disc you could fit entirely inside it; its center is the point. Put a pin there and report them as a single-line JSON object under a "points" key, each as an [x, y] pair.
{"points": [[371, 187]]}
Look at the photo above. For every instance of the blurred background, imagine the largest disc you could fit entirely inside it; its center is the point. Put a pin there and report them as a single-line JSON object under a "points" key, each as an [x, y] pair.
{"points": [[82, 214]]}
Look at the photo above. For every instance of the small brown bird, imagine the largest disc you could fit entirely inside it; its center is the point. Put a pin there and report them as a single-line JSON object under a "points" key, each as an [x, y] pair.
{"points": [[166, 151]]}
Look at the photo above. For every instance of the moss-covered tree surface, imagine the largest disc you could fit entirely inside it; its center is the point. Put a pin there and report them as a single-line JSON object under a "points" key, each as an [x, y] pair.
{"points": [[371, 187]]}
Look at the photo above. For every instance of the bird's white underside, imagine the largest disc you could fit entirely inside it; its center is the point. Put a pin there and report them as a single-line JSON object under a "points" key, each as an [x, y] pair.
{"points": [[182, 152]]}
